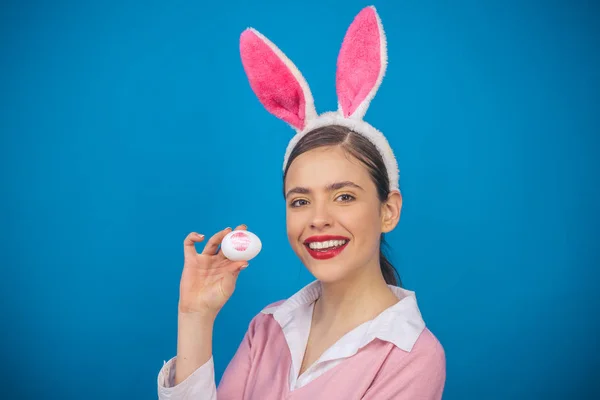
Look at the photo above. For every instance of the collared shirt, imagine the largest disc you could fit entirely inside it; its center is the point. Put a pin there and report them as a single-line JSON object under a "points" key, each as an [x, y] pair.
{"points": [[401, 325]]}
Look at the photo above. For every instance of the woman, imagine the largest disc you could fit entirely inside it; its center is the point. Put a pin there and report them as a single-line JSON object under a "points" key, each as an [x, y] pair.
{"points": [[352, 333]]}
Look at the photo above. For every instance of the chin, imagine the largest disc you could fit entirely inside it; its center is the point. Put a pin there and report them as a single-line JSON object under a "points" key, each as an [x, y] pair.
{"points": [[328, 276], [326, 270]]}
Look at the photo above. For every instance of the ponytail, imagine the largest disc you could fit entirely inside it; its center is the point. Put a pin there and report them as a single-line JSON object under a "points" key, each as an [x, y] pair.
{"points": [[390, 274]]}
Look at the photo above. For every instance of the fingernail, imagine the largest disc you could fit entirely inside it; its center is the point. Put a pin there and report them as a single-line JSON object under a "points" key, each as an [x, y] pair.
{"points": [[244, 266], [199, 235]]}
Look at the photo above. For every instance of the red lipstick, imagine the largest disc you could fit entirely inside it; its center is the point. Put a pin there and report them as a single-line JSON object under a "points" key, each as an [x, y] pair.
{"points": [[324, 254]]}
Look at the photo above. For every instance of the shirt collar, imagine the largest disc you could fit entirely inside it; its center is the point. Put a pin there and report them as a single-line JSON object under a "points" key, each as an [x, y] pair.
{"points": [[400, 324]]}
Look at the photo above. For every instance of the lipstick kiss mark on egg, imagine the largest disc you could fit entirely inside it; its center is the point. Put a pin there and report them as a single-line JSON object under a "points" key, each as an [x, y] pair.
{"points": [[240, 241]]}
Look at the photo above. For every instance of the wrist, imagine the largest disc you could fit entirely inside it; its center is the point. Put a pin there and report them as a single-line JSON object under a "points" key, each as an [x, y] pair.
{"points": [[204, 318]]}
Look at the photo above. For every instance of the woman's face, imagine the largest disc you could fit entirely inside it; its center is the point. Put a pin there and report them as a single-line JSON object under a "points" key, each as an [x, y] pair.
{"points": [[333, 213]]}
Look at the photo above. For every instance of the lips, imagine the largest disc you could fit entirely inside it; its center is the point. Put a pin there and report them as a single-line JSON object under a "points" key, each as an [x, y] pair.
{"points": [[240, 241], [325, 254]]}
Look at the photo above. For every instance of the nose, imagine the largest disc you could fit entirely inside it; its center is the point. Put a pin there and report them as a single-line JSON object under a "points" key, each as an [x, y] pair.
{"points": [[321, 218]]}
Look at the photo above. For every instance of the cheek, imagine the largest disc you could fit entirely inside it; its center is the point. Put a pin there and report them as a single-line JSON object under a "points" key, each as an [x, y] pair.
{"points": [[363, 222], [293, 226]]}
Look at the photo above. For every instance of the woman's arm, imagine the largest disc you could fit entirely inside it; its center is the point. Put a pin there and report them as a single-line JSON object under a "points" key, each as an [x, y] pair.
{"points": [[190, 375], [207, 282], [194, 344], [197, 380]]}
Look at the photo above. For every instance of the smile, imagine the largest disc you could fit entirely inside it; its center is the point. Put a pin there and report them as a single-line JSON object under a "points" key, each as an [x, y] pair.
{"points": [[325, 247]]}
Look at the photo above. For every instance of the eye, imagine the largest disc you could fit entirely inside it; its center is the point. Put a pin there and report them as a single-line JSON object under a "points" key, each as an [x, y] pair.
{"points": [[346, 198], [298, 203]]}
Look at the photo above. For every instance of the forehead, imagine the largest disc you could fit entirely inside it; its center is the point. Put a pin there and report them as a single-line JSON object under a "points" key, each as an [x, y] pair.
{"points": [[323, 166]]}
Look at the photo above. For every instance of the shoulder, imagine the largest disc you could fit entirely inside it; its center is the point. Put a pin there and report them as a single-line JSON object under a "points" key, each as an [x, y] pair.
{"points": [[418, 373], [428, 343], [264, 319], [272, 307], [427, 353]]}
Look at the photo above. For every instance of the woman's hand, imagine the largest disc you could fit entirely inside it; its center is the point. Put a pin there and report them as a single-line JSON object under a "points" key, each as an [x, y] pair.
{"points": [[208, 279]]}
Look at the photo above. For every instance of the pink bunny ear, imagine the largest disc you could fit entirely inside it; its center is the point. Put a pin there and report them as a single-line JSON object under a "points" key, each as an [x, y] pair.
{"points": [[361, 64], [275, 80]]}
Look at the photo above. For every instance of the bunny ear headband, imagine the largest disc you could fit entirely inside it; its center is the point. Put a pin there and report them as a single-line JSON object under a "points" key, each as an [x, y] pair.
{"points": [[282, 90]]}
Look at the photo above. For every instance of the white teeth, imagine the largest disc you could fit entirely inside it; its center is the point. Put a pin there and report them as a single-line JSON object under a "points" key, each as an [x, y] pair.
{"points": [[327, 244]]}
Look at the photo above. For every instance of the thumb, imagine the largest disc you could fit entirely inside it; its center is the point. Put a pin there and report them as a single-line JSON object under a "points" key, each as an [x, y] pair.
{"points": [[227, 284]]}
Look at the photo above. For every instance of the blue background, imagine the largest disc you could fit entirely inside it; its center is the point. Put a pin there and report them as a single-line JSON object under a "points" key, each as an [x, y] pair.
{"points": [[126, 125]]}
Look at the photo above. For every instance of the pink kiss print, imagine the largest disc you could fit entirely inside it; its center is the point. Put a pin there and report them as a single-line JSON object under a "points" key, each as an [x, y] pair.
{"points": [[240, 241]]}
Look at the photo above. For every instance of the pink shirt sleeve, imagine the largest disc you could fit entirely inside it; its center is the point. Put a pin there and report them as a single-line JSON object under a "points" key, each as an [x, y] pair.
{"points": [[418, 375]]}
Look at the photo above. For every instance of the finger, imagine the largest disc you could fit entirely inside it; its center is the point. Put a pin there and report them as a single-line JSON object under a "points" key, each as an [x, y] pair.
{"points": [[240, 266], [189, 247], [242, 227], [213, 243]]}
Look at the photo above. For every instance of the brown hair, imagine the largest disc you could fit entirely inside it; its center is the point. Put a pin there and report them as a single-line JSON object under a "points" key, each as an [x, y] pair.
{"points": [[362, 149]]}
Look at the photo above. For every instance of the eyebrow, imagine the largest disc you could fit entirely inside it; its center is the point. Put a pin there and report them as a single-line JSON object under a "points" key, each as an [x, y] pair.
{"points": [[329, 188]]}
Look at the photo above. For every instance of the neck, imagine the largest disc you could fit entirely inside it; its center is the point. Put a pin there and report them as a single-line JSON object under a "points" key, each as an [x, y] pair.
{"points": [[348, 303]]}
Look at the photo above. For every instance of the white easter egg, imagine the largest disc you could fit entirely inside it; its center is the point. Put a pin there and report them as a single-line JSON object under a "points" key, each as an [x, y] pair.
{"points": [[241, 245]]}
